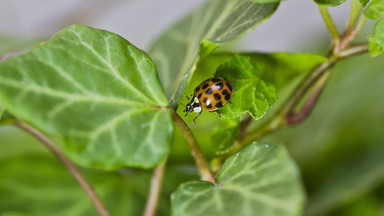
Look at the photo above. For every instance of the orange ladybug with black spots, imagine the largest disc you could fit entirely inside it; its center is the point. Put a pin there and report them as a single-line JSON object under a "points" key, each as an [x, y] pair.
{"points": [[212, 94]]}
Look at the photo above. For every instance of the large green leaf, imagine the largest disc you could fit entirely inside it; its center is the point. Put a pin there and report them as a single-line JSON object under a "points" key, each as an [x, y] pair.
{"points": [[331, 3], [177, 52], [259, 180], [40, 185], [95, 94], [251, 94], [375, 9], [224, 136]]}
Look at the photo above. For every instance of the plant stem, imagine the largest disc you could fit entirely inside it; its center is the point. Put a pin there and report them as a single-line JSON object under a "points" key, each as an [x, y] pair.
{"points": [[283, 117], [360, 24], [68, 164], [355, 12], [201, 162], [329, 23], [154, 193]]}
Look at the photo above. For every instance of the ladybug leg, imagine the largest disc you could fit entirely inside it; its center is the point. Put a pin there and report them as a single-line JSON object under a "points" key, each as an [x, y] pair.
{"points": [[231, 104], [194, 120], [218, 114]]}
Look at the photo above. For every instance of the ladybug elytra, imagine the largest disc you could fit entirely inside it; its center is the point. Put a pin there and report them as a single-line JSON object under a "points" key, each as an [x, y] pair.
{"points": [[212, 94]]}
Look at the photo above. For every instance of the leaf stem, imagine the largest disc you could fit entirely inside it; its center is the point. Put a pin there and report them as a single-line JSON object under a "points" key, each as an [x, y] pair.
{"points": [[355, 12], [68, 164], [330, 24], [154, 193], [201, 162], [287, 116]]}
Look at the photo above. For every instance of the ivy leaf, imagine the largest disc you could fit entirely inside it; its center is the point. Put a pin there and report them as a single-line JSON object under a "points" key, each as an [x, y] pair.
{"points": [[177, 51], [374, 48], [259, 180], [40, 185], [251, 94], [379, 33], [375, 9], [94, 94], [223, 136], [331, 3], [363, 2]]}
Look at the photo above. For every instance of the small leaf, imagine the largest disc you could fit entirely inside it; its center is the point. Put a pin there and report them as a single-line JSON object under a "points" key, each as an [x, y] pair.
{"points": [[177, 52], [331, 3], [374, 48], [375, 9], [259, 180], [94, 94], [223, 136], [363, 2], [251, 94], [379, 33]]}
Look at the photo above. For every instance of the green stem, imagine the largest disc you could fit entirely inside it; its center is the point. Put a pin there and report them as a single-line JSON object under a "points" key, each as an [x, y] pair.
{"points": [[360, 24], [281, 118], [201, 162], [355, 12], [154, 192], [329, 23]]}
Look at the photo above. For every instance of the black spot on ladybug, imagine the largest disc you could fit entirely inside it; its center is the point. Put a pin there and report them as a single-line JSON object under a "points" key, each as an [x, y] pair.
{"points": [[227, 97], [219, 105], [206, 99], [217, 96], [197, 89], [219, 85], [229, 86], [225, 92], [209, 91], [196, 104], [205, 85], [215, 80], [209, 106], [199, 96]]}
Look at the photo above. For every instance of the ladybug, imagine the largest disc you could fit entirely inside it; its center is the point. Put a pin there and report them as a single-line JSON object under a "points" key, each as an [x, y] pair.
{"points": [[212, 94]]}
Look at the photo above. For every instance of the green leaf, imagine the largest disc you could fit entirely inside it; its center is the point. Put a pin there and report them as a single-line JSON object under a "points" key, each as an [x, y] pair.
{"points": [[363, 2], [259, 180], [251, 94], [94, 94], [331, 3], [223, 136], [374, 48], [375, 9], [177, 51], [266, 1], [40, 185], [379, 33], [12, 43]]}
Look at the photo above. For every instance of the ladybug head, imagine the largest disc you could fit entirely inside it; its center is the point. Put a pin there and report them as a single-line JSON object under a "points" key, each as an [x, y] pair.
{"points": [[188, 109]]}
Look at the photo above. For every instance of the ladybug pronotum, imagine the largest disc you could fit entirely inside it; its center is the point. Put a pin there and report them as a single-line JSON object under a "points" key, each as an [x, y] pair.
{"points": [[212, 94]]}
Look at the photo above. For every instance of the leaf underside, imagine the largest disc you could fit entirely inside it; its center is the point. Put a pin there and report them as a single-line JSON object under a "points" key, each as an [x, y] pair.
{"points": [[331, 3], [177, 52], [260, 180], [93, 93]]}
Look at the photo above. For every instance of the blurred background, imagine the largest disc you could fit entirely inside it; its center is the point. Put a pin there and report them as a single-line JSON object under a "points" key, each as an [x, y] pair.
{"points": [[340, 148]]}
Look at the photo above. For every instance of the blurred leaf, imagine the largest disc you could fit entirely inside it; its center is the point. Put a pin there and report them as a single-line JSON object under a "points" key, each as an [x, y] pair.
{"points": [[375, 9], [374, 48], [379, 33], [331, 3], [251, 94], [95, 94], [363, 2], [177, 51], [261, 179], [341, 135], [223, 136], [40, 185], [266, 1]]}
